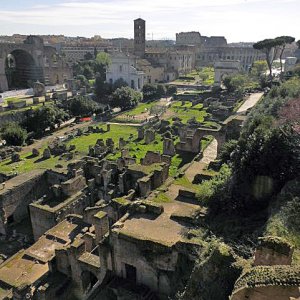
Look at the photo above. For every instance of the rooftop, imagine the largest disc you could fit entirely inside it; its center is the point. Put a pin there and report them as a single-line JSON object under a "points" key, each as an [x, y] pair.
{"points": [[20, 270], [20, 180], [161, 229], [268, 276], [28, 266]]}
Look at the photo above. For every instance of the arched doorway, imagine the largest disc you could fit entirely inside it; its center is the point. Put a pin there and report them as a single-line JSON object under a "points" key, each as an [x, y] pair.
{"points": [[21, 70]]}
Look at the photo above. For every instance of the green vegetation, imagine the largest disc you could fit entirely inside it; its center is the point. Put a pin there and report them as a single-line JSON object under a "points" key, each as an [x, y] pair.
{"points": [[125, 98], [205, 142], [13, 134], [279, 245], [217, 270], [45, 117], [83, 142], [29, 163], [185, 112], [100, 214], [184, 182], [256, 192], [151, 91], [138, 150], [161, 198], [121, 201], [284, 221], [273, 47], [266, 275], [82, 106], [239, 83], [146, 169], [138, 110], [258, 68], [205, 75]]}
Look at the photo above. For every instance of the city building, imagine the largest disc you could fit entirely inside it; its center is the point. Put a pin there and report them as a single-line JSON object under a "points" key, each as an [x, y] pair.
{"points": [[212, 49], [124, 67], [139, 37]]}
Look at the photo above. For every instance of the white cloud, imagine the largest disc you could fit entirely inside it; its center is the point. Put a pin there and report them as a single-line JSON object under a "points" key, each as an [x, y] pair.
{"points": [[237, 19]]}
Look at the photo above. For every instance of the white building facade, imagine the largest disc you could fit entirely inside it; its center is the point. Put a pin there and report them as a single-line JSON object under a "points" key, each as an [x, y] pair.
{"points": [[124, 67]]}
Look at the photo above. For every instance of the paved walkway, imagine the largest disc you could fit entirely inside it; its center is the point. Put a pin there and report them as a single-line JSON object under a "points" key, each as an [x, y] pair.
{"points": [[250, 102], [209, 155]]}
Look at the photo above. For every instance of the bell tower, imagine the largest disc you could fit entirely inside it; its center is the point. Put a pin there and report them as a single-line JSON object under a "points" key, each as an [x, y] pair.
{"points": [[139, 37]]}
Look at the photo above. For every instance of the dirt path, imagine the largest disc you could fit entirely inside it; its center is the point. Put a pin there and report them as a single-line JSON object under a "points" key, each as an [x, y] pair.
{"points": [[250, 102], [209, 154], [50, 138]]}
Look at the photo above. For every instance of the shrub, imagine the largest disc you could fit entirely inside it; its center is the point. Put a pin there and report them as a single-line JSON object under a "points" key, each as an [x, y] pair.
{"points": [[14, 134]]}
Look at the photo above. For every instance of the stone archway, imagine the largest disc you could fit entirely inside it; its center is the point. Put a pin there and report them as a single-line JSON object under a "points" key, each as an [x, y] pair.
{"points": [[225, 68], [21, 70]]}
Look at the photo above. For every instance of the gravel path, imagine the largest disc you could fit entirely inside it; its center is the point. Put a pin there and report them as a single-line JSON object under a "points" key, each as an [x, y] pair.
{"points": [[250, 102]]}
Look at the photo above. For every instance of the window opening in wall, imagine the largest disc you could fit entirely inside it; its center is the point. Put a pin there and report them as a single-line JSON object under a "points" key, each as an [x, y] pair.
{"points": [[130, 273]]}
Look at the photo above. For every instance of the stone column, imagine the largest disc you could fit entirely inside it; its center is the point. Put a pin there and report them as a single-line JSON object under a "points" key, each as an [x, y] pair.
{"points": [[3, 79], [101, 225]]}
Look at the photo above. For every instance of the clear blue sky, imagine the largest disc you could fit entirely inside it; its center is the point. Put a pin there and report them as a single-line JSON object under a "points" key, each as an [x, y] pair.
{"points": [[237, 20]]}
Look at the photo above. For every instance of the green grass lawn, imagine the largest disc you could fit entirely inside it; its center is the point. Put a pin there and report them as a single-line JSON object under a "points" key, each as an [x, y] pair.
{"points": [[138, 150], [184, 182], [185, 113], [83, 142], [29, 163], [17, 99], [161, 198], [182, 104], [140, 109], [92, 82], [30, 106]]}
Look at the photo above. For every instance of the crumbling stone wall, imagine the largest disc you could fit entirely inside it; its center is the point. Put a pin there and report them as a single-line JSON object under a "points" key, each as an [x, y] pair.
{"points": [[273, 251], [18, 193], [267, 293], [154, 263]]}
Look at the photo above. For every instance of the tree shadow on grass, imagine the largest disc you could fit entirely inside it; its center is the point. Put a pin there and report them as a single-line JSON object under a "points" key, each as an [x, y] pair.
{"points": [[40, 160]]}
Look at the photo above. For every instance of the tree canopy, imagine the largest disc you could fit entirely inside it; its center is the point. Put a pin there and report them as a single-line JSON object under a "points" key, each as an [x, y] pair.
{"points": [[13, 134], [271, 47], [282, 42], [103, 58], [268, 47], [82, 106], [125, 98], [45, 117]]}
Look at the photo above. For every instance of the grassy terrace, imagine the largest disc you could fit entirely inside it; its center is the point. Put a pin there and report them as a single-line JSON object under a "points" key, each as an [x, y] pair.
{"points": [[137, 149], [30, 106], [204, 76], [29, 163], [139, 112], [83, 142], [185, 111]]}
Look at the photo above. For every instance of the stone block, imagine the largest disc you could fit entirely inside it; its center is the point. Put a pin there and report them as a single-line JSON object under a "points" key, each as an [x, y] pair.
{"points": [[168, 147], [149, 136], [141, 133], [15, 157], [73, 185], [35, 152], [46, 154]]}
